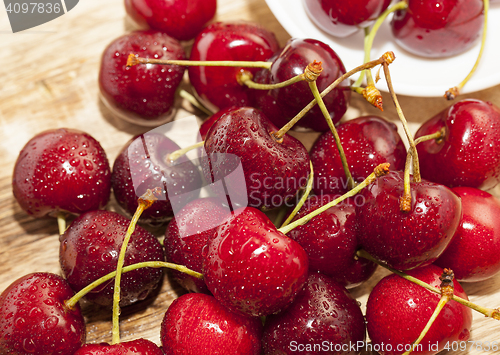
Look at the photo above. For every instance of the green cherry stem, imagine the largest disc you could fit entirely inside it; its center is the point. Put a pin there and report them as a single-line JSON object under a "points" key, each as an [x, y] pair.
{"points": [[302, 199], [380, 170], [61, 222], [488, 312], [193, 101], [180, 152], [245, 78]]}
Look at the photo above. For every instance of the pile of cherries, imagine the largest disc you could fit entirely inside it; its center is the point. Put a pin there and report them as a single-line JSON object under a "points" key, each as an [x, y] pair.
{"points": [[257, 285]]}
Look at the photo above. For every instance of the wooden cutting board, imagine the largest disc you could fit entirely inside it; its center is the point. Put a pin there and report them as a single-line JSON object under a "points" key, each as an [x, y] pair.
{"points": [[49, 79]]}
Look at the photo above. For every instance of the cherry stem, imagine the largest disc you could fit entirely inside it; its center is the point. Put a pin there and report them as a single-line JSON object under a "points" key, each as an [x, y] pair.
{"points": [[370, 94], [453, 92], [180, 152], [144, 202], [326, 114], [385, 58], [134, 60], [302, 199], [71, 303], [245, 78], [488, 312], [61, 222], [193, 101], [379, 171]]}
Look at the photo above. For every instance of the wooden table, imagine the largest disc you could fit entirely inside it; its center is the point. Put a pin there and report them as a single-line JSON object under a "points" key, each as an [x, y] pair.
{"points": [[49, 79]]}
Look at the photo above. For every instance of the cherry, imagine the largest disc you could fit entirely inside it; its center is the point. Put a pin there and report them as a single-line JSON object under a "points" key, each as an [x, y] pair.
{"points": [[251, 267], [398, 310], [344, 18], [469, 153], [142, 94], [143, 164], [138, 347], [218, 87], [474, 249], [61, 171], [282, 104], [182, 20], [188, 233], [35, 320], [273, 170], [438, 28], [406, 240], [367, 141], [90, 247], [208, 123], [330, 240], [198, 324], [324, 318]]}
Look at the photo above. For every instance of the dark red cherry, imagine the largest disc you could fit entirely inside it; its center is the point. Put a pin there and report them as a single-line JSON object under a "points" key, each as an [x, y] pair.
{"points": [[469, 153], [475, 247], [133, 347], [188, 233], [198, 324], [144, 93], [398, 310], [330, 241], [90, 247], [143, 164], [251, 267], [367, 142], [282, 104], [182, 19], [272, 171], [35, 320], [323, 319], [344, 18], [406, 240], [438, 28], [217, 87], [208, 123], [61, 170]]}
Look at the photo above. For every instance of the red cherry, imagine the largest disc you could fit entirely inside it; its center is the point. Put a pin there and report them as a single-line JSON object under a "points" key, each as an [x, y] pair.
{"points": [[35, 320], [198, 324], [61, 170], [251, 267], [182, 20], [406, 240], [217, 87], [282, 104], [324, 314], [134, 347], [144, 93], [209, 122], [469, 153], [475, 247], [344, 18], [438, 28], [367, 142], [398, 310], [90, 247]]}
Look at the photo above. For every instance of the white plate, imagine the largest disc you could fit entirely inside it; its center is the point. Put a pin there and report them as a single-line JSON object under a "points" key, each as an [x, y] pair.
{"points": [[411, 75]]}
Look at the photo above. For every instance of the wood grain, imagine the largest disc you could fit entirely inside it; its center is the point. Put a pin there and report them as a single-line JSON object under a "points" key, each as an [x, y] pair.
{"points": [[49, 79]]}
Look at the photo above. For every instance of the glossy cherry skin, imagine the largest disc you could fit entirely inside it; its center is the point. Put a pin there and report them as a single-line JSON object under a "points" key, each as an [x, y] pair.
{"points": [[209, 122], [475, 247], [90, 247], [134, 347], [406, 240], [251, 267], [469, 153], [217, 87], [282, 104], [35, 320], [273, 171], [437, 28], [188, 233], [323, 313], [61, 171], [182, 20], [143, 164], [330, 241], [398, 310], [367, 142], [198, 324], [143, 94], [344, 18]]}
